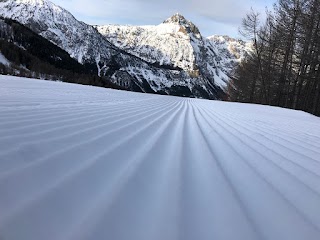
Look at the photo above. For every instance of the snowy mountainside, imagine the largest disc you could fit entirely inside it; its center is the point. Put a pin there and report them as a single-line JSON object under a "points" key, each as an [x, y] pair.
{"points": [[15, 33], [176, 42], [230, 51], [167, 43], [59, 26], [84, 43]]}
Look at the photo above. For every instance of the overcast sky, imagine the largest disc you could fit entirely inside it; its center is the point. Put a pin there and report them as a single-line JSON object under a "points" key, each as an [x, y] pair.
{"points": [[211, 16]]}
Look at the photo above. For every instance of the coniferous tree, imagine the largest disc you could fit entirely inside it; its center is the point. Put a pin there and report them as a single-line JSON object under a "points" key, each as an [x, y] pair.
{"points": [[283, 67]]}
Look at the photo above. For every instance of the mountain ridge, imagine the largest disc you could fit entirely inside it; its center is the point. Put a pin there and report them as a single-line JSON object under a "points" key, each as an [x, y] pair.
{"points": [[196, 74], [175, 42]]}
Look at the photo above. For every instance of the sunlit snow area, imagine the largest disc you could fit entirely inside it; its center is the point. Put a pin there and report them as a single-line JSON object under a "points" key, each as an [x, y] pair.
{"points": [[81, 162]]}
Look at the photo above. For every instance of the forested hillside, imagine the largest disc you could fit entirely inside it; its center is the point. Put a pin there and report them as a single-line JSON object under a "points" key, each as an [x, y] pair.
{"points": [[31, 55], [283, 69]]}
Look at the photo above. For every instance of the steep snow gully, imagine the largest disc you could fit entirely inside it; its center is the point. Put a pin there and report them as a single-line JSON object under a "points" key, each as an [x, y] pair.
{"points": [[80, 162]]}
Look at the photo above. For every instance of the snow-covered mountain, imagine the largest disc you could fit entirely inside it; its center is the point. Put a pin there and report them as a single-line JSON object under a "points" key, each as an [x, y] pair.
{"points": [[168, 43], [176, 42], [230, 51], [171, 58], [80, 40]]}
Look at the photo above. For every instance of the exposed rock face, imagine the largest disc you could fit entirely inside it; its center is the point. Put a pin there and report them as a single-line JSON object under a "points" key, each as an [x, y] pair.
{"points": [[230, 51], [186, 26]]}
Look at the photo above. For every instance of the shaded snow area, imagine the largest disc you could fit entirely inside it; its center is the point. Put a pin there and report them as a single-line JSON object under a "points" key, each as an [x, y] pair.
{"points": [[3, 60], [81, 162]]}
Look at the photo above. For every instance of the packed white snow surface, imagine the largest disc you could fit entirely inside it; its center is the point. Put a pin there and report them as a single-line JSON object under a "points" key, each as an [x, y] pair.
{"points": [[81, 162]]}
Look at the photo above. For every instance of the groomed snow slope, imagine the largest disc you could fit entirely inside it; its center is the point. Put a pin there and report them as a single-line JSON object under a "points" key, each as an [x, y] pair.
{"points": [[80, 162]]}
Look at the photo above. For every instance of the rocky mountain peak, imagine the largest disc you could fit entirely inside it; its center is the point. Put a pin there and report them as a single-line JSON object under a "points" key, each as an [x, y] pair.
{"points": [[186, 25], [178, 19]]}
